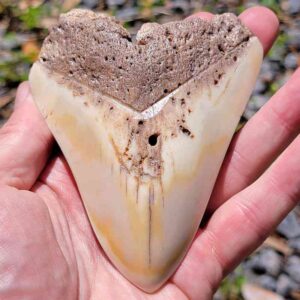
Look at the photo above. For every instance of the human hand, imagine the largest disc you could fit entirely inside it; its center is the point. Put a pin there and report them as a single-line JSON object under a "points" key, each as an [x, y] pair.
{"points": [[47, 246]]}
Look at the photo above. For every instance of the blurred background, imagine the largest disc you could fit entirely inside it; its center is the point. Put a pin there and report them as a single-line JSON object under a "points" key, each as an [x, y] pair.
{"points": [[273, 271]]}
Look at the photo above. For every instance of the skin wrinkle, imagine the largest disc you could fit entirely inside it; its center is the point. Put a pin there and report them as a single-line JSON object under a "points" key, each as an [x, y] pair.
{"points": [[208, 282], [79, 259], [293, 197], [28, 201], [284, 122], [237, 160], [219, 272], [41, 184], [248, 214], [12, 132], [62, 228]]}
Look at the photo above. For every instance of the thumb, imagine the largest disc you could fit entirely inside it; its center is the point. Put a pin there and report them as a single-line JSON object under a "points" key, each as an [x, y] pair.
{"points": [[25, 143]]}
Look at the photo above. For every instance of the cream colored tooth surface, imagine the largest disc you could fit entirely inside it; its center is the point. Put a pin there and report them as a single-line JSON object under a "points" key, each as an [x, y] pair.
{"points": [[146, 176]]}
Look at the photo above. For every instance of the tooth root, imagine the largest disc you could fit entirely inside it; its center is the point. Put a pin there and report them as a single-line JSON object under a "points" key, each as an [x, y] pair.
{"points": [[145, 205]]}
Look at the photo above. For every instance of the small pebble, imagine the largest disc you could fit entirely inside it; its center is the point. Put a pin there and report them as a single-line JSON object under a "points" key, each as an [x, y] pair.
{"points": [[267, 261], [295, 244], [260, 87], [267, 72], [181, 6], [114, 3], [290, 226], [293, 6], [90, 3], [218, 296], [285, 285], [259, 101], [249, 113], [254, 292], [127, 14], [267, 282], [292, 267], [293, 35], [291, 61]]}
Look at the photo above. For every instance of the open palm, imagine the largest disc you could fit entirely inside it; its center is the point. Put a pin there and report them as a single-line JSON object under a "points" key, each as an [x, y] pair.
{"points": [[48, 249]]}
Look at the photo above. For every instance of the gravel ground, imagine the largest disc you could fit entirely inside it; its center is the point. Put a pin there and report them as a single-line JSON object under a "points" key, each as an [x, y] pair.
{"points": [[273, 271]]}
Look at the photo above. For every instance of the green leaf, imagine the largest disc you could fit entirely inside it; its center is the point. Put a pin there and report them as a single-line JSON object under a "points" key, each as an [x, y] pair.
{"points": [[32, 16]]}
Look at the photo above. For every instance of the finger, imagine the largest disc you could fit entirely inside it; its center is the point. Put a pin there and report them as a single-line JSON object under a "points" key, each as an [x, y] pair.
{"points": [[258, 144], [263, 23], [202, 15], [241, 224], [25, 143]]}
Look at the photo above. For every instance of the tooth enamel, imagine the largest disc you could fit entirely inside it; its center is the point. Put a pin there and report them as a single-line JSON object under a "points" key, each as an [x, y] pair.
{"points": [[146, 175]]}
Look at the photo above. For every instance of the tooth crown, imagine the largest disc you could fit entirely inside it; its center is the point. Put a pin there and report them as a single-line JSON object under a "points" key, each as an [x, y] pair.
{"points": [[98, 52], [146, 169]]}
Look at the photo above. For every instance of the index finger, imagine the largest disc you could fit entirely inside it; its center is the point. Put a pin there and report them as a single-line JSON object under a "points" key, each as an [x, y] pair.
{"points": [[263, 23]]}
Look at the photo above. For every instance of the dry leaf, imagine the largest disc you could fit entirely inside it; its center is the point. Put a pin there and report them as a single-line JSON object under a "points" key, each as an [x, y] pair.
{"points": [[254, 292], [7, 98], [69, 4], [31, 49], [48, 23], [278, 244], [295, 295], [24, 4]]}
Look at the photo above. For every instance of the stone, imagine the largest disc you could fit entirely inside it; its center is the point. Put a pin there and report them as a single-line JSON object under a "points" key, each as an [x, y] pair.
{"points": [[259, 101], [292, 267], [11, 41], [291, 61], [90, 3], [290, 226], [293, 35], [293, 7], [267, 261], [218, 296], [144, 126], [250, 110], [285, 285], [267, 282], [114, 3], [249, 113], [127, 13], [181, 6], [295, 244], [267, 73], [260, 87]]}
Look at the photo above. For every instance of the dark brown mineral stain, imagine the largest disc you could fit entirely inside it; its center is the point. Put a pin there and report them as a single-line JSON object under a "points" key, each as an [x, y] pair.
{"points": [[150, 202]]}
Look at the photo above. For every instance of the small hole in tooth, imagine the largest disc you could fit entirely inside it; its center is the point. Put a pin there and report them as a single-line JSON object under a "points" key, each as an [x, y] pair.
{"points": [[153, 139], [220, 47]]}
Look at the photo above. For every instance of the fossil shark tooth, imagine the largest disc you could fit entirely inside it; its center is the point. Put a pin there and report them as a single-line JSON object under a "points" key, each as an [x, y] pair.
{"points": [[144, 126]]}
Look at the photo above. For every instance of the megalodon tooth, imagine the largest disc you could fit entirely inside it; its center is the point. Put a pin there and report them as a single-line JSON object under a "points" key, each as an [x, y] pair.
{"points": [[144, 124]]}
